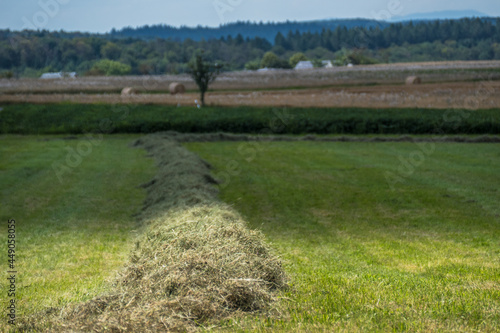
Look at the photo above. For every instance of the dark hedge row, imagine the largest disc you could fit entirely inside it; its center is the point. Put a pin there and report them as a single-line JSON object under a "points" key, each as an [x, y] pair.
{"points": [[102, 118]]}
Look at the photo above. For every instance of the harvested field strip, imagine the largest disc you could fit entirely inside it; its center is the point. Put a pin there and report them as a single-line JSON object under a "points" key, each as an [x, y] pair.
{"points": [[90, 92], [195, 263], [142, 90], [384, 73], [422, 256], [435, 78], [101, 118], [221, 137], [477, 93]]}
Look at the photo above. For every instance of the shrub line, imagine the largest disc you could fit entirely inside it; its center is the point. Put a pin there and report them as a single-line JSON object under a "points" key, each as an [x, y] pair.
{"points": [[72, 119]]}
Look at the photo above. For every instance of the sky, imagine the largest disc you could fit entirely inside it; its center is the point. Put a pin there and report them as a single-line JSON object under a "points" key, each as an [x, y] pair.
{"points": [[103, 15]]}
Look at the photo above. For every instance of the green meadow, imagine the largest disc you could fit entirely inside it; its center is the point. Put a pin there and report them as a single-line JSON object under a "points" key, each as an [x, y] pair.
{"points": [[368, 241], [73, 232], [422, 254]]}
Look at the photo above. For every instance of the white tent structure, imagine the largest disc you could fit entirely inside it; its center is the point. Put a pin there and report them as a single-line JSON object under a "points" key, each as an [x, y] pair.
{"points": [[48, 76], [60, 75], [304, 65], [327, 64]]}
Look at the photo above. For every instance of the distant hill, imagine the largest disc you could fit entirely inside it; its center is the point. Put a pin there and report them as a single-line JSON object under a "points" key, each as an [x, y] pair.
{"points": [[269, 30], [246, 29], [31, 53], [440, 15]]}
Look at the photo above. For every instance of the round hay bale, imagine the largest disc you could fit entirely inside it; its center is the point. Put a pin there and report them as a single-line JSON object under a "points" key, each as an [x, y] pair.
{"points": [[177, 88], [413, 80], [128, 91]]}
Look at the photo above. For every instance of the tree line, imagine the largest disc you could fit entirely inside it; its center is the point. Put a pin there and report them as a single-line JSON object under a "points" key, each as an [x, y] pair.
{"points": [[267, 30], [29, 53]]}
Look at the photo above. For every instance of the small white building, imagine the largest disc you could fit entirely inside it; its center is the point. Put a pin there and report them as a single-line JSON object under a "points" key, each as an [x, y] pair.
{"points": [[266, 69], [60, 75], [304, 65], [327, 64], [49, 76]]}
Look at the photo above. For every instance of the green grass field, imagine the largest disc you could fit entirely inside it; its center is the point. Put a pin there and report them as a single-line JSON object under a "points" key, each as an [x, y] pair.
{"points": [[74, 234], [361, 256]]}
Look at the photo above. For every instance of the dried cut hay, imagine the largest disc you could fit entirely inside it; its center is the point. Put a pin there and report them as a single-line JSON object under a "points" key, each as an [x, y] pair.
{"points": [[129, 91], [413, 80], [195, 263], [218, 137], [177, 88]]}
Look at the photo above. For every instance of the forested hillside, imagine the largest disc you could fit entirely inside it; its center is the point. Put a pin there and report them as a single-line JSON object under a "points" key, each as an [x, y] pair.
{"points": [[29, 53], [246, 29]]}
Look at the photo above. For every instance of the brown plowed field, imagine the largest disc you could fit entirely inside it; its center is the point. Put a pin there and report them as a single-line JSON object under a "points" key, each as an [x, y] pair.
{"points": [[445, 85]]}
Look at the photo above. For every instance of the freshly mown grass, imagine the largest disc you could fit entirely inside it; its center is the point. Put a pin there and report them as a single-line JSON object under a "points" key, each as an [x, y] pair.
{"points": [[66, 118], [194, 261], [361, 256], [72, 236]]}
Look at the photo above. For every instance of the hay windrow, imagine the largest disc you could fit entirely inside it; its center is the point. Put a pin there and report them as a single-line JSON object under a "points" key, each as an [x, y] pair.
{"points": [[217, 137], [194, 264]]}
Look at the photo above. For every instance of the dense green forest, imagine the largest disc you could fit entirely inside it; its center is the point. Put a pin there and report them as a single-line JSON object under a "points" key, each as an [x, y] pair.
{"points": [[29, 53]]}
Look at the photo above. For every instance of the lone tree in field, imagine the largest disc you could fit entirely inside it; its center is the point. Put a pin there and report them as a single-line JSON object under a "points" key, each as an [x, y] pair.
{"points": [[203, 73]]}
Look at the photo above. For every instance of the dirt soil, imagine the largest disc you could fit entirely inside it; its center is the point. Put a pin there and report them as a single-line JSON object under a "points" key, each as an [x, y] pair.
{"points": [[468, 85]]}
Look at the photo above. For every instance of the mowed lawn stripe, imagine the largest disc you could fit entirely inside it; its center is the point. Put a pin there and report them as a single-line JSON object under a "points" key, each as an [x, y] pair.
{"points": [[361, 255], [72, 235]]}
